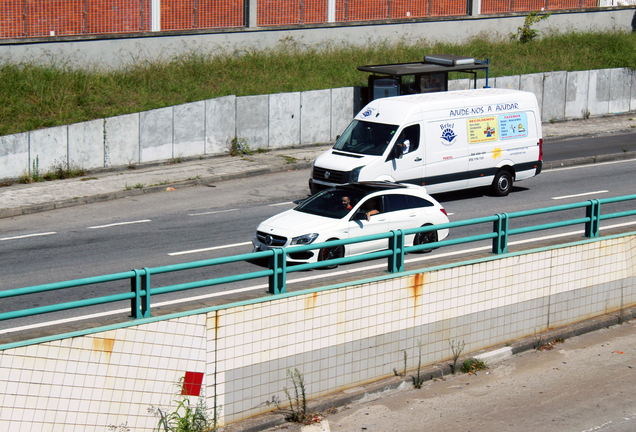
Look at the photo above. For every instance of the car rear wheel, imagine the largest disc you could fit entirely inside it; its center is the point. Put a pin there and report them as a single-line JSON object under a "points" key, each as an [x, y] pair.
{"points": [[502, 184], [424, 238], [331, 253]]}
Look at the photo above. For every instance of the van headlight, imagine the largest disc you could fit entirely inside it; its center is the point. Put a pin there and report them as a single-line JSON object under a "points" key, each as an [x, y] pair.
{"points": [[304, 239], [355, 173]]}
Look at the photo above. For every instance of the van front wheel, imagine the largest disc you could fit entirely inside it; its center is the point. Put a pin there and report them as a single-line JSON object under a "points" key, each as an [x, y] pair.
{"points": [[502, 184]]}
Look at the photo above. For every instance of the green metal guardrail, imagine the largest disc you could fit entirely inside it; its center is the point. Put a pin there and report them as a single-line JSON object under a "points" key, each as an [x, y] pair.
{"points": [[140, 280]]}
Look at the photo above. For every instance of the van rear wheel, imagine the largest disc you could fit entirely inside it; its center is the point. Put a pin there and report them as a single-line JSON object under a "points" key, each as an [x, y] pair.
{"points": [[502, 184]]}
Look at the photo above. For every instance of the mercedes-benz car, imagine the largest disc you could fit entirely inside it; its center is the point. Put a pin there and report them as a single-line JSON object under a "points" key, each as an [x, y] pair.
{"points": [[348, 211]]}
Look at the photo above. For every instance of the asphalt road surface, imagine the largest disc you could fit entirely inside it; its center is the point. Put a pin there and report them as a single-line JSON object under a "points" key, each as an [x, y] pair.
{"points": [[206, 222]]}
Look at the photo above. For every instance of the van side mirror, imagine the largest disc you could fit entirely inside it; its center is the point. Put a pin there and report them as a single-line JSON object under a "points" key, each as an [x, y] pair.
{"points": [[398, 151]]}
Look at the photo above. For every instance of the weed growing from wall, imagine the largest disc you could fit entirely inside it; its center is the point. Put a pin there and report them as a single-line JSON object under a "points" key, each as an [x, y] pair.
{"points": [[297, 402], [527, 33], [239, 146], [472, 365], [457, 351], [418, 380], [186, 417]]}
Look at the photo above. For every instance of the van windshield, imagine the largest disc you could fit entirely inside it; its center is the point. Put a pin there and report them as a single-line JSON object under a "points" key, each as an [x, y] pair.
{"points": [[366, 138]]}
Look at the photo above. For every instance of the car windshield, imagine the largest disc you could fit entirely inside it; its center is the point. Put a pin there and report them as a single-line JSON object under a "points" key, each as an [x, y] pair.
{"points": [[366, 138], [331, 203]]}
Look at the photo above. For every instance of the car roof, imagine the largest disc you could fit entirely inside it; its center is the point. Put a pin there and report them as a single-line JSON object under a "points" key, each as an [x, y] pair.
{"points": [[376, 186]]}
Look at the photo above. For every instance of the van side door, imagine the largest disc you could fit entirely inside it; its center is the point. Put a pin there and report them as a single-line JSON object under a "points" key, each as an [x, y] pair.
{"points": [[446, 166], [406, 158]]}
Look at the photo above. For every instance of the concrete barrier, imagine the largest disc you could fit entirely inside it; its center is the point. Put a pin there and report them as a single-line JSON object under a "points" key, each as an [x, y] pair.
{"points": [[338, 338], [189, 130], [554, 96], [313, 106], [121, 140], [284, 120], [278, 120], [14, 155], [252, 120], [86, 144], [155, 134], [598, 96], [576, 94]]}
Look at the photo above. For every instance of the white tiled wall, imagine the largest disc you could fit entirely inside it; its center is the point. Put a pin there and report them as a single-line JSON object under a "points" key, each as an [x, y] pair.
{"points": [[336, 338]]}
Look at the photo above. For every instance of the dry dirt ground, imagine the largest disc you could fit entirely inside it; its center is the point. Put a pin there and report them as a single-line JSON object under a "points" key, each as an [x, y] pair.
{"points": [[585, 383]]}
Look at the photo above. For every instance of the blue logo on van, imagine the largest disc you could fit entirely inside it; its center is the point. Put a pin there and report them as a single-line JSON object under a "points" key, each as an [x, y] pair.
{"points": [[448, 135], [367, 113]]}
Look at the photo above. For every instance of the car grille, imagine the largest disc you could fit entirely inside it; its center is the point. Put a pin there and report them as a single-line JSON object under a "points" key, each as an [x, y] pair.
{"points": [[276, 240], [337, 177]]}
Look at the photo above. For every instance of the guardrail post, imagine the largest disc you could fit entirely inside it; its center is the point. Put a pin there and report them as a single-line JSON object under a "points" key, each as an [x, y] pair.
{"points": [[145, 299], [135, 302], [500, 227], [140, 304], [593, 213], [396, 245], [277, 280]]}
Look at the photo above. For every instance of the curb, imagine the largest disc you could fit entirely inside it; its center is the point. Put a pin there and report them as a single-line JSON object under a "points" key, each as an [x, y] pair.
{"points": [[37, 208], [343, 398]]}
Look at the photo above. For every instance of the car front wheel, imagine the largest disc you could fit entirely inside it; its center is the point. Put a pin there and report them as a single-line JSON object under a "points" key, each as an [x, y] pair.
{"points": [[424, 238], [331, 253]]}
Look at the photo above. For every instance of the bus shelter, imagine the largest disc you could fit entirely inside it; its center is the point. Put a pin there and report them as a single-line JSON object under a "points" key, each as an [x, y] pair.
{"points": [[431, 75]]}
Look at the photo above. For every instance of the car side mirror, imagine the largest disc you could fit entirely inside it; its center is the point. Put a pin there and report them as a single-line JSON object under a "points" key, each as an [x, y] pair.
{"points": [[360, 215]]}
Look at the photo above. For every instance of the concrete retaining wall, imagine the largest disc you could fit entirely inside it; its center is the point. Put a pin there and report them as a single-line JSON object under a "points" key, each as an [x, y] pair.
{"points": [[277, 120], [338, 338], [121, 50]]}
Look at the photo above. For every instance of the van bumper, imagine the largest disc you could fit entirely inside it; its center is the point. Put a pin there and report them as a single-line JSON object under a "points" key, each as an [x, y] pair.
{"points": [[539, 167]]}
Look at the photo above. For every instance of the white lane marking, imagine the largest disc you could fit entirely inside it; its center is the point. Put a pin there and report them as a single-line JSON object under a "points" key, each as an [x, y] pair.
{"points": [[119, 223], [209, 249], [212, 212], [280, 204], [27, 235], [579, 195], [265, 286], [586, 166]]}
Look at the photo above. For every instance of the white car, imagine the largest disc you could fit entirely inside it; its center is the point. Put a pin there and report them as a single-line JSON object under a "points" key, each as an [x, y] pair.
{"points": [[348, 211]]}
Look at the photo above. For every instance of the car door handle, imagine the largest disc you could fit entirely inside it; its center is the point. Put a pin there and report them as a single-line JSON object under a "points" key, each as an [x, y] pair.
{"points": [[382, 219], [413, 215], [417, 159]]}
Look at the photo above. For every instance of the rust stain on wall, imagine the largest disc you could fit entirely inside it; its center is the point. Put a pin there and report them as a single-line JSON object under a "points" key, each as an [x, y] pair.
{"points": [[415, 287], [104, 346], [310, 304], [310, 301]]}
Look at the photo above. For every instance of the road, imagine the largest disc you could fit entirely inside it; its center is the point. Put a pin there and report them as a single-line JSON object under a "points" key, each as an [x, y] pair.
{"points": [[206, 222]]}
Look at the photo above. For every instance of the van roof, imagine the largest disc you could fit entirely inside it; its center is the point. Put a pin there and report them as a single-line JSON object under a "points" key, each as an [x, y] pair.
{"points": [[394, 110]]}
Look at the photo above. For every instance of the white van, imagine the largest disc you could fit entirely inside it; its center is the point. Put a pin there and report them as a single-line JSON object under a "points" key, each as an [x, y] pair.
{"points": [[444, 141]]}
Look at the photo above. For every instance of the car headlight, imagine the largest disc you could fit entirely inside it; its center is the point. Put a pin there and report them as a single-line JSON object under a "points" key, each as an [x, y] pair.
{"points": [[355, 173], [304, 239]]}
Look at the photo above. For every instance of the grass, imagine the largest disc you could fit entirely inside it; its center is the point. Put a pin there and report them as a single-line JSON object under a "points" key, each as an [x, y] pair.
{"points": [[33, 97]]}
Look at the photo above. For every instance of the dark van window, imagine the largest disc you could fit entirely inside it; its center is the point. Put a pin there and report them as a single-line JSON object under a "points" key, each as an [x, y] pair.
{"points": [[411, 133]]}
